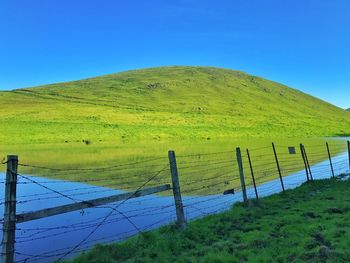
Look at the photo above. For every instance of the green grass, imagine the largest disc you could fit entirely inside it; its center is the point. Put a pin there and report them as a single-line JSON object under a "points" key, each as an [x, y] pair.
{"points": [[163, 103], [307, 224]]}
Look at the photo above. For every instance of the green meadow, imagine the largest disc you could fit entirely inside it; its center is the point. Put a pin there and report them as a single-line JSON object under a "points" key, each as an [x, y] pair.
{"points": [[167, 102], [138, 115]]}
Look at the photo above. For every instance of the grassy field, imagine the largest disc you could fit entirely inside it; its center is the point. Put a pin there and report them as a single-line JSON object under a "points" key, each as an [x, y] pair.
{"points": [[307, 224], [163, 103]]}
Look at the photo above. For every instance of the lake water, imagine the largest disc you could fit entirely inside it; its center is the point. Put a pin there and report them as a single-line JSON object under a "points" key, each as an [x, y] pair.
{"points": [[47, 239]]}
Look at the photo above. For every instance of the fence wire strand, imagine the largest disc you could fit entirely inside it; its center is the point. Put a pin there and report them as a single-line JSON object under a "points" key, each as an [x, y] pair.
{"points": [[210, 183]]}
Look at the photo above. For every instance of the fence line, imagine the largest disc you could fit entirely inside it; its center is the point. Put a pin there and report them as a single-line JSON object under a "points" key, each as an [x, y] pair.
{"points": [[217, 181]]}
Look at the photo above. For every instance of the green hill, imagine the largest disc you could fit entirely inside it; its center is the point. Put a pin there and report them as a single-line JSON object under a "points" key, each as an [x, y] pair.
{"points": [[165, 102]]}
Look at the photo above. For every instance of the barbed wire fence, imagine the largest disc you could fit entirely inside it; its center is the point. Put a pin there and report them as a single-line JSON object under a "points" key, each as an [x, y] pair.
{"points": [[157, 191]]}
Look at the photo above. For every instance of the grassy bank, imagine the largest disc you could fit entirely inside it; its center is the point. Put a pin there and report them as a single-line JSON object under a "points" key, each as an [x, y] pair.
{"points": [[307, 224]]}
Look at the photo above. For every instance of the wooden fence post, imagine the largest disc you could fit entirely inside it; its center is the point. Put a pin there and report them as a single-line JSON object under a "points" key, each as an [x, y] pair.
{"points": [[9, 224], [253, 177], [278, 166], [241, 174], [176, 191], [349, 153], [330, 159], [307, 163], [304, 159]]}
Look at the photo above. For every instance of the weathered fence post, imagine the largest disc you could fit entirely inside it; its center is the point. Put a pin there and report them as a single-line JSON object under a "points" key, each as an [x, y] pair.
{"points": [[241, 174], [253, 177], [278, 166], [9, 224], [349, 153], [308, 164], [330, 159], [176, 190], [304, 159]]}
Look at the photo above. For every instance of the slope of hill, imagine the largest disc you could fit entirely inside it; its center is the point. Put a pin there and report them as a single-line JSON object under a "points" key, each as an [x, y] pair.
{"points": [[165, 102]]}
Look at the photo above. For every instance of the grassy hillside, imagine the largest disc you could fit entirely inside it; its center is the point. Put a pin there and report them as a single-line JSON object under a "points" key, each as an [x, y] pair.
{"points": [[281, 228], [166, 102]]}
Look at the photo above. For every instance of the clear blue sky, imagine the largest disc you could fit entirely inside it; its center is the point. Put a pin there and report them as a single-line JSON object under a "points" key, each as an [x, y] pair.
{"points": [[302, 43]]}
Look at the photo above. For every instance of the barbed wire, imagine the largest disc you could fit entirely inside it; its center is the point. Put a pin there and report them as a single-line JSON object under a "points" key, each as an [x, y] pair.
{"points": [[48, 188], [90, 169], [107, 216], [212, 173]]}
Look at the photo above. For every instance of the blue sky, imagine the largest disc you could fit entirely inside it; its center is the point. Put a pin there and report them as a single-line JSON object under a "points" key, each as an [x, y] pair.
{"points": [[301, 43]]}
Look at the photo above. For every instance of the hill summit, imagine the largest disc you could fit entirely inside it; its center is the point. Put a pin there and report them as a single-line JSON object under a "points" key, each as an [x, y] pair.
{"points": [[166, 102]]}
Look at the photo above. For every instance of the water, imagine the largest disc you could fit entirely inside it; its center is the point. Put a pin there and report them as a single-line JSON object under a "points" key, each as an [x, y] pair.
{"points": [[47, 239]]}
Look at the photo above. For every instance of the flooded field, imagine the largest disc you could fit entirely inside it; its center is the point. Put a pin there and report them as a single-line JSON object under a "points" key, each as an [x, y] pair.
{"points": [[205, 173]]}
